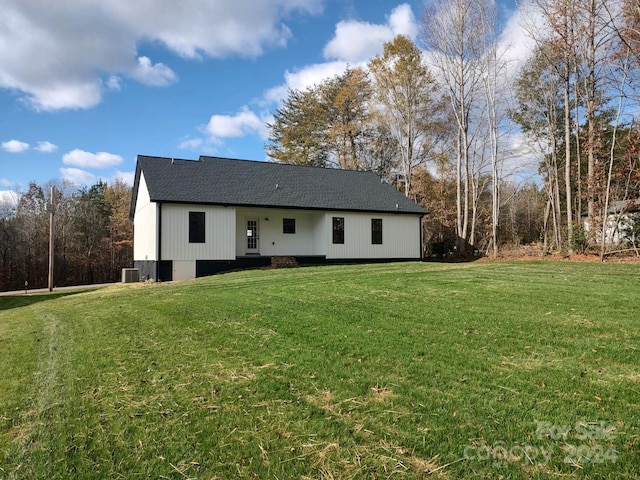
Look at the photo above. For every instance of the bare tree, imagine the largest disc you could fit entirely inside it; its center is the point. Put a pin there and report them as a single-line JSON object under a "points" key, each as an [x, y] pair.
{"points": [[559, 19], [595, 45], [453, 32], [493, 70], [539, 113]]}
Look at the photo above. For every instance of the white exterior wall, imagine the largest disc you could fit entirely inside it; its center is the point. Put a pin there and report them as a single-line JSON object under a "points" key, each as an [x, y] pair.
{"points": [[220, 224], [618, 229], [145, 225], [400, 236], [308, 239]]}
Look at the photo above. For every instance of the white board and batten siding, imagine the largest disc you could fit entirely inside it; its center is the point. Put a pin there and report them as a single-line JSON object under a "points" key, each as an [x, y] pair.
{"points": [[400, 236], [145, 225], [307, 240], [220, 224]]}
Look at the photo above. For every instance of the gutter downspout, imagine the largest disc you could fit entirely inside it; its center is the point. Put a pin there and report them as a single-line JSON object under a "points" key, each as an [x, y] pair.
{"points": [[159, 255], [421, 256]]}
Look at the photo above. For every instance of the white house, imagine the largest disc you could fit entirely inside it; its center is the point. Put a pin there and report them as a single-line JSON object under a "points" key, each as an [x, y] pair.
{"points": [[197, 217], [623, 218]]}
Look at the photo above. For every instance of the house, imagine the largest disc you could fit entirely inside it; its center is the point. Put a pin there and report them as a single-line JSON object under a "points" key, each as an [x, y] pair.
{"points": [[623, 221], [198, 217]]}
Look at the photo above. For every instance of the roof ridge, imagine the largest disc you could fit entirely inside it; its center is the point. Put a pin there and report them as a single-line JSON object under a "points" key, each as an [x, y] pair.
{"points": [[295, 165]]}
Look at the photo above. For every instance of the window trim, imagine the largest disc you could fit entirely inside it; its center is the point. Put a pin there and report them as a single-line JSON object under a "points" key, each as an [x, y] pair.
{"points": [[197, 227], [289, 226], [337, 230], [376, 231]]}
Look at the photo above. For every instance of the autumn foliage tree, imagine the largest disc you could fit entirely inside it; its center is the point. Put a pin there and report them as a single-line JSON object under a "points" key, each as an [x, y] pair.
{"points": [[433, 122], [408, 102], [328, 124], [93, 242]]}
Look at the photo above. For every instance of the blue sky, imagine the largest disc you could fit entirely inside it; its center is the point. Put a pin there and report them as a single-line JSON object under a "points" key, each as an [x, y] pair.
{"points": [[85, 86]]}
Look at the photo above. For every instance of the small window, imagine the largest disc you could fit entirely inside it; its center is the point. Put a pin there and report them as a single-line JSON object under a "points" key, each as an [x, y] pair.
{"points": [[338, 229], [288, 225], [376, 231], [196, 227]]}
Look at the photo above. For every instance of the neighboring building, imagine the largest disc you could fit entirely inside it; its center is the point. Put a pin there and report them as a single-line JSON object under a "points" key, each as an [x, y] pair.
{"points": [[623, 221], [198, 217]]}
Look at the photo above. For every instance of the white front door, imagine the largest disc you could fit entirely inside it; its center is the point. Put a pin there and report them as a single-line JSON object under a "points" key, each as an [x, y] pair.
{"points": [[253, 237]]}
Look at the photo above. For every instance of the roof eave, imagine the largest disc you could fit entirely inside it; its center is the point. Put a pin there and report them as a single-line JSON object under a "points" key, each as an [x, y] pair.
{"points": [[288, 207]]}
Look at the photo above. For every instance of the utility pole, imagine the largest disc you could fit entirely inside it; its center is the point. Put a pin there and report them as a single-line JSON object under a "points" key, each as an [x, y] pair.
{"points": [[52, 232]]}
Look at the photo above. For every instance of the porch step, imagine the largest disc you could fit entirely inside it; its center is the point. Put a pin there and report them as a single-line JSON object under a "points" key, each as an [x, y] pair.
{"points": [[283, 262]]}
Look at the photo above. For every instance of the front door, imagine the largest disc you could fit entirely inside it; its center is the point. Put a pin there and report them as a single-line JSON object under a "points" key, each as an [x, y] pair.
{"points": [[253, 237]]}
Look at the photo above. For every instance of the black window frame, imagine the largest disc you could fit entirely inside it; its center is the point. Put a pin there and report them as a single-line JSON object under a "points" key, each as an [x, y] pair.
{"points": [[197, 223], [338, 230], [289, 226], [376, 231]]}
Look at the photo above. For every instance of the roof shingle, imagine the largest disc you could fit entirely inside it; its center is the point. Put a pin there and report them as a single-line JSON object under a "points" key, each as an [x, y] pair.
{"points": [[223, 181]]}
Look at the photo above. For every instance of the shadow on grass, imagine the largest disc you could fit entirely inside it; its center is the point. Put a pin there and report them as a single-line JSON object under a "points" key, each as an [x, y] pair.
{"points": [[21, 300], [453, 258]]}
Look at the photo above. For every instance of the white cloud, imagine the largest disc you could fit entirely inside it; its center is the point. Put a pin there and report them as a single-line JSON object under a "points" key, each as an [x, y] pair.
{"points": [[63, 54], [114, 82], [15, 146], [77, 176], [191, 144], [194, 29], [234, 126], [158, 75], [354, 44], [304, 78], [356, 41], [80, 158], [46, 147], [517, 42]]}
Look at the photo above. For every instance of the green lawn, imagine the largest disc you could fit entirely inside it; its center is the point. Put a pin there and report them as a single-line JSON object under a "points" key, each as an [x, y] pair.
{"points": [[483, 370]]}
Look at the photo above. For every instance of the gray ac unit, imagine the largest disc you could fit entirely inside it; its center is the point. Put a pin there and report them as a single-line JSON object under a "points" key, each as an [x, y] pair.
{"points": [[130, 275]]}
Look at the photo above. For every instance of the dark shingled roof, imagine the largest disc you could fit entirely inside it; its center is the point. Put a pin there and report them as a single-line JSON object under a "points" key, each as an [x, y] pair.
{"points": [[223, 181]]}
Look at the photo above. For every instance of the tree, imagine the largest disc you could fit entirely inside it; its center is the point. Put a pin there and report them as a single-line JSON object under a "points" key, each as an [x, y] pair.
{"points": [[91, 226], [453, 31], [349, 118], [589, 46], [32, 242], [437, 193], [409, 104], [93, 241], [120, 230], [539, 113], [521, 215], [493, 70], [596, 44], [328, 124], [629, 30], [298, 131]]}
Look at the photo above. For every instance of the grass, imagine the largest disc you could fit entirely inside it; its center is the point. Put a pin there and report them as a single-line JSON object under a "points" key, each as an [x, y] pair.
{"points": [[485, 370]]}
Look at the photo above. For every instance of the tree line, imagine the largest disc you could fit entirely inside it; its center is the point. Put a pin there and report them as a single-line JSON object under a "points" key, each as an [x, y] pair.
{"points": [[435, 118], [93, 235]]}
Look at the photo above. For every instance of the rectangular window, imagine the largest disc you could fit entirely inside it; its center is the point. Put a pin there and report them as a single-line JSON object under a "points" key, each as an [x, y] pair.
{"points": [[196, 227], [376, 231], [288, 225], [338, 229]]}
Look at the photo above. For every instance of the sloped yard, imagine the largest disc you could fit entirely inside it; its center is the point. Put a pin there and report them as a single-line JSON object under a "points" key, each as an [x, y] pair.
{"points": [[410, 370]]}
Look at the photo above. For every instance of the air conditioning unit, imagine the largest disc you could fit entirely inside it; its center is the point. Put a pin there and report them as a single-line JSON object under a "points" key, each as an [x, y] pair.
{"points": [[130, 275]]}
